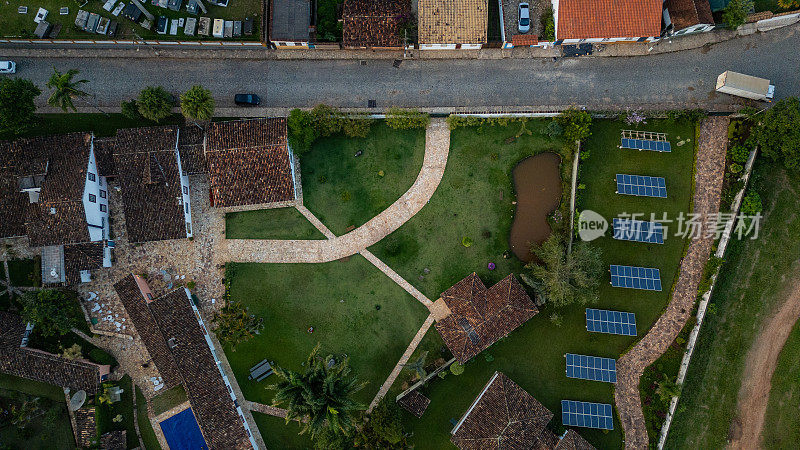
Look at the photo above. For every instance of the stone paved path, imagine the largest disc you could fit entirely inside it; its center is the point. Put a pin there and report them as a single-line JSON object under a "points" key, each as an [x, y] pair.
{"points": [[437, 147], [397, 278], [403, 360], [710, 168]]}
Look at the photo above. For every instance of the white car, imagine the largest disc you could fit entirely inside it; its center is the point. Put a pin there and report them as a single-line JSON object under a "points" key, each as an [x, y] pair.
{"points": [[8, 67], [524, 18]]}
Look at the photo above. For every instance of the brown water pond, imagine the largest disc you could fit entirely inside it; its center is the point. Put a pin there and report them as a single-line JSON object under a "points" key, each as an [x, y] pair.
{"points": [[537, 181]]}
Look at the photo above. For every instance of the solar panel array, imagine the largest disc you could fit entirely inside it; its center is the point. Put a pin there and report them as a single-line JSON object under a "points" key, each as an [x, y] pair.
{"points": [[635, 277], [641, 185], [638, 231], [611, 322], [591, 368], [643, 144], [585, 414]]}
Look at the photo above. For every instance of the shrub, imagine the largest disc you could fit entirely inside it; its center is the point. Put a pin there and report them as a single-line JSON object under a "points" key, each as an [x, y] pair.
{"points": [[191, 285], [735, 168], [406, 119], [329, 28], [197, 103], [466, 241], [17, 104], [740, 154], [99, 356], [154, 103], [130, 110], [548, 25], [751, 205], [778, 133], [356, 126], [735, 14], [577, 124], [686, 115], [302, 132], [456, 368]]}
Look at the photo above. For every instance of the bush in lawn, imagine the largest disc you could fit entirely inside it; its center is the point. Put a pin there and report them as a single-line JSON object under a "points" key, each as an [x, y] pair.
{"points": [[456, 368], [197, 103], [53, 311], [548, 25], [130, 110], [751, 205], [735, 14], [154, 103], [384, 429], [356, 125], [406, 119], [778, 133], [302, 132], [235, 324], [72, 352], [16, 104], [740, 154], [577, 124]]}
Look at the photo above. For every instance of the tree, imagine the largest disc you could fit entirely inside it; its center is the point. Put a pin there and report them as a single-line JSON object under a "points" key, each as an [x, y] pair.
{"points": [[576, 124], [668, 389], [789, 4], [235, 324], [327, 120], [53, 311], [72, 352], [778, 133], [564, 278], [154, 103], [356, 125], [321, 395], [65, 89], [383, 430], [130, 110], [418, 366], [735, 14], [16, 104], [302, 132], [406, 119], [197, 103]]}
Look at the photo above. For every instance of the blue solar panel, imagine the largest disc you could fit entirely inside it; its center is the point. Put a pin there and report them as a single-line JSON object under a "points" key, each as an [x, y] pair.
{"points": [[642, 186], [630, 277], [611, 322], [591, 368], [638, 231], [585, 414], [645, 144]]}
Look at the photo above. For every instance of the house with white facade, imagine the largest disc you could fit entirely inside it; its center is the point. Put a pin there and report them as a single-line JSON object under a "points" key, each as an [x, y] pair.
{"points": [[452, 24]]}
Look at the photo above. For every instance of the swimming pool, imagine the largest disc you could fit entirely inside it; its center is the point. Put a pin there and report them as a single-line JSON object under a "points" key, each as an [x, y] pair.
{"points": [[182, 432]]}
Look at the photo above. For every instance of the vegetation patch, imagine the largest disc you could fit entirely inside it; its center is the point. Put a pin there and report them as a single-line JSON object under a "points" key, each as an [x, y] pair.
{"points": [[168, 399], [117, 415], [33, 415], [782, 423], [281, 223], [145, 427]]}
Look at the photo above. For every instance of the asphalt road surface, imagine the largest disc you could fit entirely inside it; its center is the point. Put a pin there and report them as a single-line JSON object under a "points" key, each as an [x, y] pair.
{"points": [[678, 79]]}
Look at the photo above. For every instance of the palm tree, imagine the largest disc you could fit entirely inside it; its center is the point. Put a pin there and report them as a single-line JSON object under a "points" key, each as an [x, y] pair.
{"points": [[197, 103], [64, 89], [418, 366], [321, 397]]}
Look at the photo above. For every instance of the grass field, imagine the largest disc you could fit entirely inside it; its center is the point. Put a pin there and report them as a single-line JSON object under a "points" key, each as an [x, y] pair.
{"points": [[52, 430], [278, 434], [340, 300], [145, 427], [782, 423], [106, 413], [25, 272], [745, 295], [13, 24], [475, 177], [281, 223], [168, 399]]}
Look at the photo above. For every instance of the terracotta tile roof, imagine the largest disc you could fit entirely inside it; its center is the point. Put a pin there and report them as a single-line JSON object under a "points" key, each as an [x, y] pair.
{"points": [[77, 257], [13, 203], [114, 440], [190, 146], [573, 441], [150, 182], [104, 155], [587, 19], [453, 21], [415, 403], [249, 162], [504, 416], [686, 13], [373, 23], [41, 366], [56, 223], [523, 40], [147, 328], [479, 317], [208, 395], [86, 428]]}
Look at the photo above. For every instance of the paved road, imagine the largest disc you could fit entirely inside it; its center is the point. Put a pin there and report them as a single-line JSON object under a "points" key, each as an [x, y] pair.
{"points": [[679, 78]]}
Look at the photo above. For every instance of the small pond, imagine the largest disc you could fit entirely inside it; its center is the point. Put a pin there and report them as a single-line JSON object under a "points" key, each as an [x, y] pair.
{"points": [[537, 181]]}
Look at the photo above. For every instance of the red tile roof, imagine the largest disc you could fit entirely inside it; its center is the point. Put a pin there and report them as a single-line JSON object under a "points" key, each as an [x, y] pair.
{"points": [[415, 403], [522, 40], [373, 23], [588, 19], [686, 13]]}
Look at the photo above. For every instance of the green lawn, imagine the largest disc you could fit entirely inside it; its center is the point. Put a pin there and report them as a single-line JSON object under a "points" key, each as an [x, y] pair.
{"points": [[339, 299], [124, 407], [782, 423], [747, 292], [168, 399], [25, 272], [470, 199], [145, 427], [281, 223], [279, 434], [49, 430], [18, 25]]}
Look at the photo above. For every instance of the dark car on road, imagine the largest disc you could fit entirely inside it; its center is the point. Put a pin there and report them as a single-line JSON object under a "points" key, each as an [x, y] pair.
{"points": [[247, 100]]}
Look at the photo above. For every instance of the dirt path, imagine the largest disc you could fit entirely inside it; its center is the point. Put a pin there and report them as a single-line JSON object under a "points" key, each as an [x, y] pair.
{"points": [[762, 358]]}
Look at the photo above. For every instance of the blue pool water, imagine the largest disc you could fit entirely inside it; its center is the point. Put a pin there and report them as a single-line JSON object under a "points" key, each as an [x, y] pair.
{"points": [[182, 432]]}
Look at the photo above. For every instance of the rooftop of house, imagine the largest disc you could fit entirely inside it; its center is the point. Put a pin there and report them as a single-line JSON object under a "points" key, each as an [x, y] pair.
{"points": [[415, 402], [686, 13], [290, 20], [86, 427], [504, 416], [573, 441], [190, 146], [471, 317], [249, 162], [150, 182], [374, 23], [453, 21], [598, 19], [78, 257]]}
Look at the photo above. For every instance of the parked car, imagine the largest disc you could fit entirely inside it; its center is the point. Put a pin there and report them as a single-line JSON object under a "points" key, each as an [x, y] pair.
{"points": [[524, 18], [8, 67], [247, 100]]}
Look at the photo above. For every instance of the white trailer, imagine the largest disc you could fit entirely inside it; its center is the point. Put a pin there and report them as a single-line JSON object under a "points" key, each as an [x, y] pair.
{"points": [[745, 86]]}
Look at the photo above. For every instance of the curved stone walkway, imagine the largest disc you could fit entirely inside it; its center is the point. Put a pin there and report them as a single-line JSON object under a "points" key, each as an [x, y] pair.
{"points": [[709, 172], [437, 147]]}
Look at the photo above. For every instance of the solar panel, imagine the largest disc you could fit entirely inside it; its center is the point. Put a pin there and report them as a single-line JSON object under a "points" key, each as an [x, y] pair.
{"points": [[644, 144], [591, 368], [611, 322], [585, 414], [638, 231], [642, 186], [467, 327], [631, 277]]}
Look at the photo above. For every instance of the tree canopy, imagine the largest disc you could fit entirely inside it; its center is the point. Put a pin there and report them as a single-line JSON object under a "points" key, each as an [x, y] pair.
{"points": [[235, 324], [321, 395], [735, 14], [384, 429], [576, 124], [564, 278], [65, 89], [16, 104], [154, 103], [778, 133], [197, 103], [53, 311]]}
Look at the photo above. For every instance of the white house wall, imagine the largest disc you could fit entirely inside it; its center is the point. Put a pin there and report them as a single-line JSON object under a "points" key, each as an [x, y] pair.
{"points": [[95, 200], [185, 200]]}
